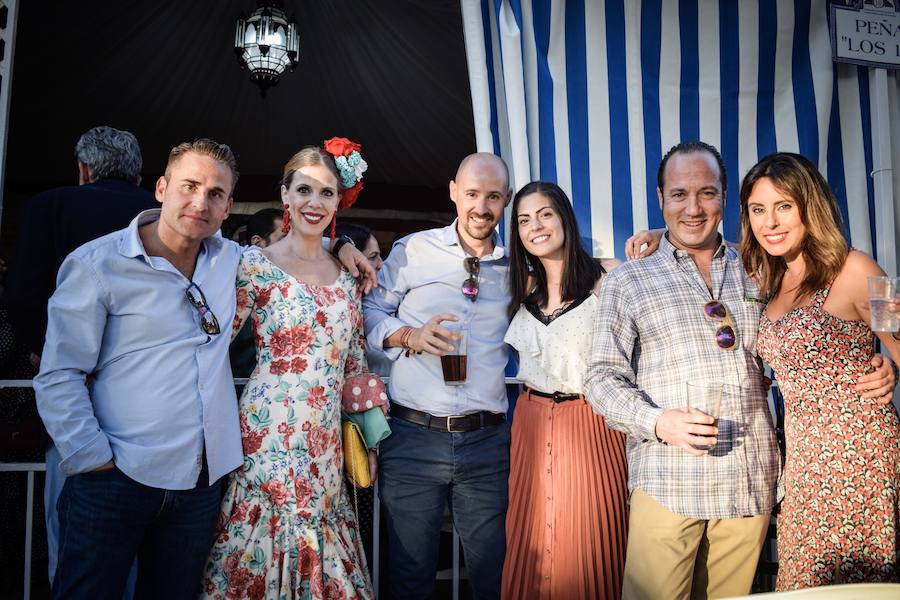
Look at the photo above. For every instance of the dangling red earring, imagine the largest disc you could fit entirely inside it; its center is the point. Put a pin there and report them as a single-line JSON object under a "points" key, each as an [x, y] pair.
{"points": [[333, 226], [286, 220]]}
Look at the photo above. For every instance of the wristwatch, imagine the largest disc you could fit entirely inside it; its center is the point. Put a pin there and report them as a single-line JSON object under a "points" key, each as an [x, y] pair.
{"points": [[339, 243]]}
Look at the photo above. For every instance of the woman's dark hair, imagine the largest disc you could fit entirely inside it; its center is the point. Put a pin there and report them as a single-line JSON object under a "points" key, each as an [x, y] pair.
{"points": [[360, 234], [580, 270]]}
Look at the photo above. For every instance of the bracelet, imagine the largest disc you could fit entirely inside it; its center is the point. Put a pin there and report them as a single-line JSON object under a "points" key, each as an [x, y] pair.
{"points": [[339, 243], [895, 334], [404, 342]]}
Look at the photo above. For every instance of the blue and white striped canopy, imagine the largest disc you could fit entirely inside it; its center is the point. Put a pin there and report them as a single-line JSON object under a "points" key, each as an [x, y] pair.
{"points": [[591, 94]]}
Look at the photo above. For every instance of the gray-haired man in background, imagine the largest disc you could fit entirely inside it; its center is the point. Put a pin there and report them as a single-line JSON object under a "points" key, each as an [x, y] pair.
{"points": [[56, 222]]}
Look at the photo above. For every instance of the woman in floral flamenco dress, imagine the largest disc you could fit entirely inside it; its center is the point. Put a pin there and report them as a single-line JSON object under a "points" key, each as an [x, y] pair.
{"points": [[287, 528], [840, 518]]}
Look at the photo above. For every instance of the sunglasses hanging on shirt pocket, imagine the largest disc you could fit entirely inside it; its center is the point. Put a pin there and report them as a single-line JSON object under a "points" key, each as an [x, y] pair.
{"points": [[469, 287], [726, 338]]}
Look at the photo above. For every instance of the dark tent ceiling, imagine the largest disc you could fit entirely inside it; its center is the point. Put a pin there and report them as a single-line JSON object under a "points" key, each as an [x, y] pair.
{"points": [[390, 74]]}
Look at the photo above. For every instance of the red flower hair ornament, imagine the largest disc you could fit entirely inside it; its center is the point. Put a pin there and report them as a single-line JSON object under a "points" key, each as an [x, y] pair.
{"points": [[350, 165]]}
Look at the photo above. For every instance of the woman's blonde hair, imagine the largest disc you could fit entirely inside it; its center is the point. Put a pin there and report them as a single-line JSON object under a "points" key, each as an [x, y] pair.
{"points": [[824, 246], [308, 157]]}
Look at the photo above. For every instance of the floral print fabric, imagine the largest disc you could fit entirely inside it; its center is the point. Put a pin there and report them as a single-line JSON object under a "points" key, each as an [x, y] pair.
{"points": [[287, 529], [839, 519]]}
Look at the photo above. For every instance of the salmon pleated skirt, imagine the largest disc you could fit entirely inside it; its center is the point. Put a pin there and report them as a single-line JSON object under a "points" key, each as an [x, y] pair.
{"points": [[566, 527]]}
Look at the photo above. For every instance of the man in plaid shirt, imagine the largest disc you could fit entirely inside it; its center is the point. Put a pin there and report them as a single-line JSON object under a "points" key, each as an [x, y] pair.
{"points": [[688, 313]]}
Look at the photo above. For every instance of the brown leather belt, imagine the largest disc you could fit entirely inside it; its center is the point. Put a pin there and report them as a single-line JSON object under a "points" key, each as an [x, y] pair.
{"points": [[453, 424], [555, 396]]}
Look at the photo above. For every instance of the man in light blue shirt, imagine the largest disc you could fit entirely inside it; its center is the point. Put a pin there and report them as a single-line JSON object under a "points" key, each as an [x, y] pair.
{"points": [[449, 444], [136, 391]]}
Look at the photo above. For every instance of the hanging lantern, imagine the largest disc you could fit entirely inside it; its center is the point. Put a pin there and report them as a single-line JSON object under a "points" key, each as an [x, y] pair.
{"points": [[267, 44]]}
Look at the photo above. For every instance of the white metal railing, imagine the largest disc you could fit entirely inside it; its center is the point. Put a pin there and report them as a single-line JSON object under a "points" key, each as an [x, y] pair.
{"points": [[36, 467], [31, 468]]}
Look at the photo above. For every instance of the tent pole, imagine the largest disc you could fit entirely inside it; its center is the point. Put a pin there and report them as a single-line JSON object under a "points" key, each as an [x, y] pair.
{"points": [[882, 175]]}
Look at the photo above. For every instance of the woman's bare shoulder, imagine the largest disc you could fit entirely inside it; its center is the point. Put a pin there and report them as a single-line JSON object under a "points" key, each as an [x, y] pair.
{"points": [[850, 283], [857, 266]]}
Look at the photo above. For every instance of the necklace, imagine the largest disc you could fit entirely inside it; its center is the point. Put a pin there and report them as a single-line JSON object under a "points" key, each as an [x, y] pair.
{"points": [[297, 256]]}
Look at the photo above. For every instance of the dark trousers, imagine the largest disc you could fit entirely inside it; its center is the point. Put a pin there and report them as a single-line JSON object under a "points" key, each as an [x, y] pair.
{"points": [[421, 471], [107, 519]]}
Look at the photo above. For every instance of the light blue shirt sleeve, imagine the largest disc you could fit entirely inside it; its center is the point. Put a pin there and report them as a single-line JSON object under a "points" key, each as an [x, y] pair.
{"points": [[77, 314], [381, 304]]}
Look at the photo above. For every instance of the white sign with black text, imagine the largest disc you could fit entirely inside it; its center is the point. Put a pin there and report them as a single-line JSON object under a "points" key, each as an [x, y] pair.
{"points": [[866, 33]]}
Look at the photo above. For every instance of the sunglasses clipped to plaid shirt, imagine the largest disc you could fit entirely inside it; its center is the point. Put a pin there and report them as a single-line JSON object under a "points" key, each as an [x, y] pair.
{"points": [[725, 336]]}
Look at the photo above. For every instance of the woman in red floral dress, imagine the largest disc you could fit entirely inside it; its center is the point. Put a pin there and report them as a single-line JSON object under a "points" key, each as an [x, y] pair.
{"points": [[287, 529], [841, 509]]}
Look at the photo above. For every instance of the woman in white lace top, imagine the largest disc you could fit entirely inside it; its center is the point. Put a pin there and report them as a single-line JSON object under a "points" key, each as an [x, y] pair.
{"points": [[566, 523]]}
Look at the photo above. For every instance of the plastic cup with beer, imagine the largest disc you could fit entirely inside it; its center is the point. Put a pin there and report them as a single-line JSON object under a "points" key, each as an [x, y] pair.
{"points": [[453, 364]]}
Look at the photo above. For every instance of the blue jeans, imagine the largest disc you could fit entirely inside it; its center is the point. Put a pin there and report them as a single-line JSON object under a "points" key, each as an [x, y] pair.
{"points": [[53, 485], [421, 470], [107, 519]]}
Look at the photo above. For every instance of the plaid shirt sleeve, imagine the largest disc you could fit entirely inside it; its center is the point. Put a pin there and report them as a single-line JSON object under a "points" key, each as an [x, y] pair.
{"points": [[611, 387]]}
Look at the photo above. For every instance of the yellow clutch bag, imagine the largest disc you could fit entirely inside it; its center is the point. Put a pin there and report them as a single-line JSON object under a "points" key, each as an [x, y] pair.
{"points": [[356, 456]]}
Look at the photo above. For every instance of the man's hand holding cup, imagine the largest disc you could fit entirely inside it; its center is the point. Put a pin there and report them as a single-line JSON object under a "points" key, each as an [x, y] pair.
{"points": [[432, 337]]}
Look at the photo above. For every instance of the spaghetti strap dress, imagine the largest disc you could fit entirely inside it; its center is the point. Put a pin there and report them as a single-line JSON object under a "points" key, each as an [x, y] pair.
{"points": [[839, 518]]}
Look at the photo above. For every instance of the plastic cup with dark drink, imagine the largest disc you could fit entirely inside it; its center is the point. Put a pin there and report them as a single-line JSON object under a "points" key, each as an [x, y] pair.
{"points": [[454, 362], [707, 398]]}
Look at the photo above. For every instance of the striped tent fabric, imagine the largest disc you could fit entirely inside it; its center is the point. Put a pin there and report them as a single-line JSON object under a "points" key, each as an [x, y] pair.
{"points": [[591, 94]]}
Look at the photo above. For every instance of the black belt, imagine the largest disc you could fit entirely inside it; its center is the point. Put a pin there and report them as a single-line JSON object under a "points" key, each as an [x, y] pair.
{"points": [[454, 424], [555, 396]]}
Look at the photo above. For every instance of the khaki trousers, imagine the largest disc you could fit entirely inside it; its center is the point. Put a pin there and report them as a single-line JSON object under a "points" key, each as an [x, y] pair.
{"points": [[674, 557]]}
